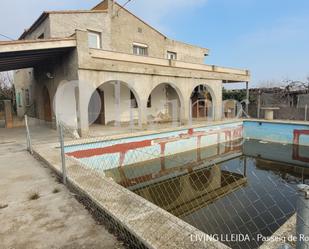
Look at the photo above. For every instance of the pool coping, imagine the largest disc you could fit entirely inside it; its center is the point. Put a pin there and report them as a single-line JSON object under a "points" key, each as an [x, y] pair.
{"points": [[284, 232], [277, 121], [147, 133], [112, 137]]}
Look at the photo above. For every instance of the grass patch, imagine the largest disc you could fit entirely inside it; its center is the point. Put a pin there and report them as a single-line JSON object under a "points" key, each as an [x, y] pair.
{"points": [[34, 196]]}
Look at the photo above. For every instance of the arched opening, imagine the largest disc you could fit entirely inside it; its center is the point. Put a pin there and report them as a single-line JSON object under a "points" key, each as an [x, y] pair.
{"points": [[114, 103], [96, 108], [47, 106], [202, 104], [164, 104]]}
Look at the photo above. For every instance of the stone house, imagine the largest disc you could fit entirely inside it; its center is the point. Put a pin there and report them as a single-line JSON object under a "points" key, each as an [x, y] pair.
{"points": [[108, 46]]}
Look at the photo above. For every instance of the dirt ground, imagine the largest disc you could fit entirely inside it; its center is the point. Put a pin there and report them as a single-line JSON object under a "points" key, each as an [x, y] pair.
{"points": [[54, 220]]}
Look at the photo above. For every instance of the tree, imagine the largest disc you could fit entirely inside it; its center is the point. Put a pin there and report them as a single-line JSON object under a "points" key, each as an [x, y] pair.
{"points": [[6, 86]]}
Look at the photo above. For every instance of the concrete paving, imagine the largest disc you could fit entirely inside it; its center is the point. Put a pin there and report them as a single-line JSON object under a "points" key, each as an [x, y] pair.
{"points": [[54, 220]]}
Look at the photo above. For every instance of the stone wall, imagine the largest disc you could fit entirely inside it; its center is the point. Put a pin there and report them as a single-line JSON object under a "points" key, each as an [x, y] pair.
{"points": [[65, 25], [127, 29]]}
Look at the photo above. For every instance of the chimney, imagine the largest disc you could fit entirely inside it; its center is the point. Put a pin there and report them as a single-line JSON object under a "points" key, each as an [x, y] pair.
{"points": [[111, 7]]}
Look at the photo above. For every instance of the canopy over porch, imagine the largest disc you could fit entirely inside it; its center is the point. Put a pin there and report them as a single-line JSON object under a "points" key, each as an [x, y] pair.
{"points": [[26, 54]]}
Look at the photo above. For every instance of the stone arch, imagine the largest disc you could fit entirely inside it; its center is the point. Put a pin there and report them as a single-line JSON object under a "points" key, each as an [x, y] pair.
{"points": [[120, 95], [167, 99], [203, 101]]}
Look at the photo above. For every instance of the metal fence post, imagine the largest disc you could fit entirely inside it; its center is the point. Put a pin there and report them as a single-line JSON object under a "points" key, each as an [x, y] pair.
{"points": [[61, 140], [28, 137], [306, 111]]}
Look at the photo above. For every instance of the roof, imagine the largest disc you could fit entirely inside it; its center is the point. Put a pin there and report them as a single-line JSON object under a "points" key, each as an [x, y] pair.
{"points": [[45, 14], [102, 7]]}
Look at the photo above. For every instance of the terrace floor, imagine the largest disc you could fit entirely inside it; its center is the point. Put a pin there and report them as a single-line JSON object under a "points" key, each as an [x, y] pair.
{"points": [[54, 220]]}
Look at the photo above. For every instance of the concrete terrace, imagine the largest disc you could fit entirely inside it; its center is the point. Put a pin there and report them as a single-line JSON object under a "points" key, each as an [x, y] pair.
{"points": [[55, 220]]}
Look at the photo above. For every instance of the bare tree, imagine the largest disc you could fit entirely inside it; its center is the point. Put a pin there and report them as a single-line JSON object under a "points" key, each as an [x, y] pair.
{"points": [[270, 84], [6, 86]]}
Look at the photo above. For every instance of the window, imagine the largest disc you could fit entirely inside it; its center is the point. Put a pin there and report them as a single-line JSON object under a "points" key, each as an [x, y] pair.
{"points": [[18, 99], [27, 97], [171, 55], [140, 49], [94, 39]]}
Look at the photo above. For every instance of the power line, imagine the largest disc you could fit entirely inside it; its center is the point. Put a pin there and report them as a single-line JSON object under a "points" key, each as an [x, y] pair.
{"points": [[7, 37], [124, 5]]}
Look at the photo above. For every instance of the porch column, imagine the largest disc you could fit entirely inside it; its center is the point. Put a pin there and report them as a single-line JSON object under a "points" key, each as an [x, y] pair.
{"points": [[82, 111], [185, 112], [117, 104], [143, 113]]}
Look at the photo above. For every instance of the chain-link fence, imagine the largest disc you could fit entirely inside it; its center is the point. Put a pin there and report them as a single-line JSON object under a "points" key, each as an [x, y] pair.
{"points": [[207, 177], [286, 106]]}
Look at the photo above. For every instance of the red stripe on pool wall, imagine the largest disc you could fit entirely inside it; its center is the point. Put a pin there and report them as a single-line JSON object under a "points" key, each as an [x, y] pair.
{"points": [[125, 147], [296, 146], [298, 133], [117, 148]]}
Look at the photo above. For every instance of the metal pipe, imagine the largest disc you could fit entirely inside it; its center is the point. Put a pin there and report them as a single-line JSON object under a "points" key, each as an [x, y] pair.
{"points": [[29, 143], [247, 97], [259, 105], [61, 140]]}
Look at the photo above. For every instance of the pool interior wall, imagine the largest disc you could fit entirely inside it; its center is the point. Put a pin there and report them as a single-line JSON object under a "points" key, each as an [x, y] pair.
{"points": [[131, 150]]}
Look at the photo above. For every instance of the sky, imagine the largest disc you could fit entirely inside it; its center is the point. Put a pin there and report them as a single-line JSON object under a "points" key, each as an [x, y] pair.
{"points": [[268, 37]]}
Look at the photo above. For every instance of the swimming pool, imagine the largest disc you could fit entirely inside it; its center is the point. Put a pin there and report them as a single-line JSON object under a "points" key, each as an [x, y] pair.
{"points": [[224, 179]]}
